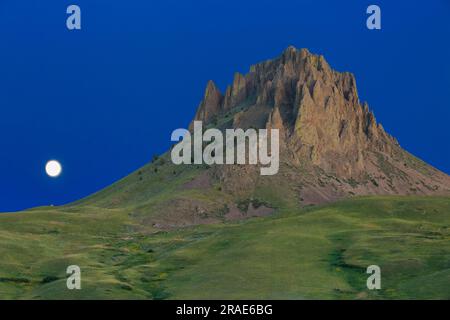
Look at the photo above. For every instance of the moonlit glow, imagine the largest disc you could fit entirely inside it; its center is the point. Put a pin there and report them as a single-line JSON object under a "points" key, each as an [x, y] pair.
{"points": [[53, 168]]}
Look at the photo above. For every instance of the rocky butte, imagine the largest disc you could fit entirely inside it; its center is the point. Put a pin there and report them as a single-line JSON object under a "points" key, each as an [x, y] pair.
{"points": [[331, 147], [331, 143]]}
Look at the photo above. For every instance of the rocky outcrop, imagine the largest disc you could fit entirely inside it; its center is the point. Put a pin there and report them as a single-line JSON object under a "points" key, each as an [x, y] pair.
{"points": [[331, 147], [324, 126], [211, 105]]}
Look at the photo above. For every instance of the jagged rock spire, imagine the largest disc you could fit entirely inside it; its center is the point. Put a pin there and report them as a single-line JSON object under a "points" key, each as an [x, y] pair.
{"points": [[211, 105], [301, 95]]}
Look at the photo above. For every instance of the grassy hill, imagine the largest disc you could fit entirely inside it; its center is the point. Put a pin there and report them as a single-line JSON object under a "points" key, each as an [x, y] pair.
{"points": [[226, 232], [309, 253]]}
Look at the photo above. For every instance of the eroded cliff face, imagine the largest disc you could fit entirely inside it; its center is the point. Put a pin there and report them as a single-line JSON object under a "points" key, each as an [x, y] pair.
{"points": [[331, 147], [331, 143]]}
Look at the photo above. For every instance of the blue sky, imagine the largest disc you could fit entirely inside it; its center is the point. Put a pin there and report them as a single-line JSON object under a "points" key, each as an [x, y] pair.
{"points": [[104, 99]]}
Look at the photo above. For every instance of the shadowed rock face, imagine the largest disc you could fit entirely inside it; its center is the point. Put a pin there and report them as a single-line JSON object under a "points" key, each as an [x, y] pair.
{"points": [[325, 130]]}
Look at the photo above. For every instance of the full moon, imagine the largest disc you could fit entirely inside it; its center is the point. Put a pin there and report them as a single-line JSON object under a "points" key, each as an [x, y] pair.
{"points": [[53, 168]]}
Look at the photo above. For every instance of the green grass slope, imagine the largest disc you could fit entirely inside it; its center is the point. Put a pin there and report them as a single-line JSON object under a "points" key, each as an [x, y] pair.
{"points": [[313, 253]]}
